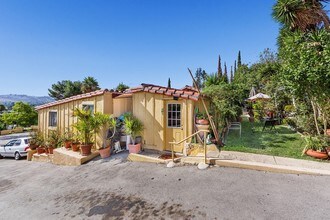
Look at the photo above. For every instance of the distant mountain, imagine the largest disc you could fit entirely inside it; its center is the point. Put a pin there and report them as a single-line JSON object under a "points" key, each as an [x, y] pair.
{"points": [[9, 100]]}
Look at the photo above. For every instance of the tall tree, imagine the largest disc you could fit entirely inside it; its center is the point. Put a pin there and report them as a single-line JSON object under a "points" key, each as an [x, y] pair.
{"points": [[235, 67], [89, 84], [200, 77], [22, 114], [169, 83], [219, 68], [231, 73], [64, 89], [121, 87], [239, 61], [303, 15], [225, 74]]}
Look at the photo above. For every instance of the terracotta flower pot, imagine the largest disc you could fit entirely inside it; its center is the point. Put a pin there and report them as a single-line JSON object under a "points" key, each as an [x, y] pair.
{"points": [[67, 144], [50, 150], [105, 152], [134, 148], [86, 149], [202, 121], [40, 150], [75, 147], [317, 154]]}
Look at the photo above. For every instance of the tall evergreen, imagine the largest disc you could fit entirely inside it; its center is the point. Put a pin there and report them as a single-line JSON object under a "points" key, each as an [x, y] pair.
{"points": [[219, 68], [231, 73], [225, 74], [169, 83], [239, 61], [235, 67]]}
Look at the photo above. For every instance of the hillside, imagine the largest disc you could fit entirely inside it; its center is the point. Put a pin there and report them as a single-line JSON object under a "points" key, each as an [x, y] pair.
{"points": [[9, 100]]}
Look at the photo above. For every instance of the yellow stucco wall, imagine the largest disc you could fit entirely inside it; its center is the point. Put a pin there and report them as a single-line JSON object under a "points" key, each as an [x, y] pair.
{"points": [[150, 109], [65, 119], [122, 105]]}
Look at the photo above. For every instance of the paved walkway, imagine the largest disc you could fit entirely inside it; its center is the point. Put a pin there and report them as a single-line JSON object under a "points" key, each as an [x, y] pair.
{"points": [[272, 163]]}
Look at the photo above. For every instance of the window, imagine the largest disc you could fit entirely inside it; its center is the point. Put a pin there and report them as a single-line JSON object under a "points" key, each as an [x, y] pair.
{"points": [[18, 142], [173, 115], [52, 119], [88, 107]]}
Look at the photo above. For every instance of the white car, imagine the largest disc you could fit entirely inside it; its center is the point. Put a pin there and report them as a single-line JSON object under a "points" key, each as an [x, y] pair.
{"points": [[16, 148]]}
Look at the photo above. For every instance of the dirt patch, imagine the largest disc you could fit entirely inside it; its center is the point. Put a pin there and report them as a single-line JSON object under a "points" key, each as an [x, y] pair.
{"points": [[112, 205]]}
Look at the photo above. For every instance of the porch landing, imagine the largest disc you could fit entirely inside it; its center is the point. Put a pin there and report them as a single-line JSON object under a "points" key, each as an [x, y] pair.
{"points": [[66, 157]]}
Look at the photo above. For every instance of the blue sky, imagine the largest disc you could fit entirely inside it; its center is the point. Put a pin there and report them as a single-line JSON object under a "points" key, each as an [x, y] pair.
{"points": [[130, 41]]}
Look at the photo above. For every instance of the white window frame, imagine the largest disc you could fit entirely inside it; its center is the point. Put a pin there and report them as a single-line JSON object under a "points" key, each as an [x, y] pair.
{"points": [[52, 124], [89, 104], [174, 119]]}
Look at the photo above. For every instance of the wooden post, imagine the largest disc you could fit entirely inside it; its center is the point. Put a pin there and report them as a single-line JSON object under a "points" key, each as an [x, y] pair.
{"points": [[214, 129], [172, 152]]}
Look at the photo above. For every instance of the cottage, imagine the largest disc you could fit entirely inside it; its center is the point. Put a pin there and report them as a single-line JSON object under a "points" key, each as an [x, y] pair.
{"points": [[167, 113]]}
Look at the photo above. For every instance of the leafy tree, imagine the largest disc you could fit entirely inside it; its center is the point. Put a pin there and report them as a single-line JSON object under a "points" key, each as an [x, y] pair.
{"points": [[169, 83], [239, 61], [212, 79], [219, 68], [22, 114], [89, 84], [302, 15], [200, 77], [64, 89], [2, 107], [122, 87]]}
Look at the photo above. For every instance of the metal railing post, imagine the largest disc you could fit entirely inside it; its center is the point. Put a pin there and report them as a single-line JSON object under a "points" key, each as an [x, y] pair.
{"points": [[205, 146]]}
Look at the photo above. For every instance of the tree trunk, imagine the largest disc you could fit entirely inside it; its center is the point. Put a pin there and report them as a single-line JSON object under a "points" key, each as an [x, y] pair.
{"points": [[315, 117]]}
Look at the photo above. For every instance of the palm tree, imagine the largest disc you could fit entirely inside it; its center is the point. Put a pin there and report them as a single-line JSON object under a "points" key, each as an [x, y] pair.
{"points": [[303, 15], [89, 84]]}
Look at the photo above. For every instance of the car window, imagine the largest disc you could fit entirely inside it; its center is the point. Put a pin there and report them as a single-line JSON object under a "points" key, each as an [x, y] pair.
{"points": [[11, 143], [26, 141], [18, 142]]}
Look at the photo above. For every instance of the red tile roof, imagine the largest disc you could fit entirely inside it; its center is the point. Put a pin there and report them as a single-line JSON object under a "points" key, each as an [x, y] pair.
{"points": [[77, 97], [187, 92]]}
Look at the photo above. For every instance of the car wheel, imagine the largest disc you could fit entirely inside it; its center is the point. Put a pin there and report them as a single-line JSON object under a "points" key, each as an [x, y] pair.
{"points": [[17, 156]]}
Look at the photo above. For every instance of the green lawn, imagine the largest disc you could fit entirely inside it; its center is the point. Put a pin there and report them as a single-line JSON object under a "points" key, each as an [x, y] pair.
{"points": [[279, 142]]}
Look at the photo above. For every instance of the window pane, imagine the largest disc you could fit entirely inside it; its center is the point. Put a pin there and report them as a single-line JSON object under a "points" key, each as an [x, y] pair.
{"points": [[178, 107], [174, 107]]}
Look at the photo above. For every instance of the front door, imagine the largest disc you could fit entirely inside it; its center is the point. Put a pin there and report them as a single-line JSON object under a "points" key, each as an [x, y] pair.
{"points": [[174, 124]]}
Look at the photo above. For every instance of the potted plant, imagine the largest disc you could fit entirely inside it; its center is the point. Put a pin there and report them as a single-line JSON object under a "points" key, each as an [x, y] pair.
{"points": [[202, 119], [41, 144], [105, 149], [75, 144], [53, 141], [133, 127], [67, 139], [316, 147], [87, 125], [34, 140]]}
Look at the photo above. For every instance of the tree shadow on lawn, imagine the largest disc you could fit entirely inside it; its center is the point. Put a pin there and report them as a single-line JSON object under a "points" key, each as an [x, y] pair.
{"points": [[255, 139]]}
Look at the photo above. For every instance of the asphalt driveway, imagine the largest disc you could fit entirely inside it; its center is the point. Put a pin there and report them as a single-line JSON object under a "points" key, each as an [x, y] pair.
{"points": [[116, 189]]}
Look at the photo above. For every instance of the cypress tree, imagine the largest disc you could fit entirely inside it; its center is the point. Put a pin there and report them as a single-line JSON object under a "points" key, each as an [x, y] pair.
{"points": [[231, 73], [219, 68], [239, 61], [235, 67], [169, 83], [225, 74]]}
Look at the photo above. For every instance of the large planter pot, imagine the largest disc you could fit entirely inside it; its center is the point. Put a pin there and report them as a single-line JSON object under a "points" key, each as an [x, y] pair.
{"points": [[105, 152], [202, 127], [67, 144], [50, 150], [86, 149], [202, 121], [41, 150], [317, 154], [134, 148], [75, 147]]}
